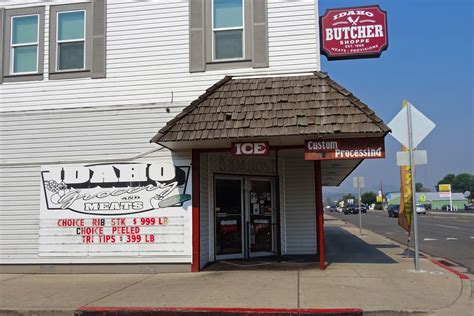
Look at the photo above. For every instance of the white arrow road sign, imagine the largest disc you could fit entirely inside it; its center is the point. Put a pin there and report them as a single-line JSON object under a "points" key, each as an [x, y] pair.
{"points": [[422, 126]]}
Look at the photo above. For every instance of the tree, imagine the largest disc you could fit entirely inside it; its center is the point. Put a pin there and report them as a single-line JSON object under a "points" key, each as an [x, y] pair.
{"points": [[327, 201], [448, 179], [421, 188], [463, 182], [459, 183], [368, 197], [349, 196], [346, 197]]}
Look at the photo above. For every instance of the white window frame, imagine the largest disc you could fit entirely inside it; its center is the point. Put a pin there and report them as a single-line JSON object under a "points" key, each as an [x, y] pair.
{"points": [[214, 30], [70, 41], [13, 46]]}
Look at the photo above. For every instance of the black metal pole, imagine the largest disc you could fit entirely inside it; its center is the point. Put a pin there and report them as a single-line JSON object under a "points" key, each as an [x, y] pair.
{"points": [[277, 186]]}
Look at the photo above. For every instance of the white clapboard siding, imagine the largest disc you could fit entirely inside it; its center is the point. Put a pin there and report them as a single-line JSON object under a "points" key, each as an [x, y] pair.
{"points": [[300, 214], [204, 211], [39, 137], [30, 139], [148, 56]]}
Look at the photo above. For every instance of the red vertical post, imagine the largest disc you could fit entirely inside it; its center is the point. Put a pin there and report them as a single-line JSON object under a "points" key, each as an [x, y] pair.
{"points": [[318, 194], [196, 192]]}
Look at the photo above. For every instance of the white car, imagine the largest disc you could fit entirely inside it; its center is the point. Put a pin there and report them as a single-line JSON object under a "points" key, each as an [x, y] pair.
{"points": [[420, 209]]}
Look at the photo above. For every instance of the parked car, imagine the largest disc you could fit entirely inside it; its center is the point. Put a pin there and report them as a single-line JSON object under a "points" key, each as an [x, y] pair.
{"points": [[469, 207], [363, 208], [420, 209], [446, 208], [350, 209], [393, 210]]}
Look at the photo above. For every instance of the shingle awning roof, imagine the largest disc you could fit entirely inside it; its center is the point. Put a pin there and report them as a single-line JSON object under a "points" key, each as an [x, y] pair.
{"points": [[251, 107]]}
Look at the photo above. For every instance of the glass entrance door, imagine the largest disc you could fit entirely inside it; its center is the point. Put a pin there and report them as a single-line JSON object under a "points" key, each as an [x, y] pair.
{"points": [[229, 217], [244, 218], [260, 217]]}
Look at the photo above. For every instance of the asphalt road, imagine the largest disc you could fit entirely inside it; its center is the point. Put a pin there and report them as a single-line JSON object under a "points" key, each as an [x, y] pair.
{"points": [[444, 236]]}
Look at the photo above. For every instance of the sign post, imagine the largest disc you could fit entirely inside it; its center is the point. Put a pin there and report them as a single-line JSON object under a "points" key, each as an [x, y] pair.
{"points": [[411, 136], [358, 182], [413, 187]]}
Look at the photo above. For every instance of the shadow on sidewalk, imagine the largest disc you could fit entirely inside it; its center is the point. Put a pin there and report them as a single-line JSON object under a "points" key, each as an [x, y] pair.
{"points": [[344, 247], [341, 247]]}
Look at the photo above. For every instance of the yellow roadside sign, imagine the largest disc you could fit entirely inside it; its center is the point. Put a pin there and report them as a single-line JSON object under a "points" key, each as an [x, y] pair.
{"points": [[444, 188], [379, 199]]}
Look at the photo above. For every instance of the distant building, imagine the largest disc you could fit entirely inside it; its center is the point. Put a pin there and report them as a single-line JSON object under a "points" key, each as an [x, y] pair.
{"points": [[433, 199]]}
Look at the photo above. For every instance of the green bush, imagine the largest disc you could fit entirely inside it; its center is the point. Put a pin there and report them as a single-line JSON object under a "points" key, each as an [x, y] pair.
{"points": [[378, 207]]}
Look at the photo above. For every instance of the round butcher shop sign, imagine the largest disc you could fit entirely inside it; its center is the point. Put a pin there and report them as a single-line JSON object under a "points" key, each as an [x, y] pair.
{"points": [[358, 32]]}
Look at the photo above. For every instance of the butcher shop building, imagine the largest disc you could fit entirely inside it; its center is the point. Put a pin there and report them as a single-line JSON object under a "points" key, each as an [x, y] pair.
{"points": [[166, 136]]}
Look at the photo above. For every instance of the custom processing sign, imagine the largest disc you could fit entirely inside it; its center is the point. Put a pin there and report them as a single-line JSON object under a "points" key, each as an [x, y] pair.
{"points": [[348, 148], [123, 209], [357, 32]]}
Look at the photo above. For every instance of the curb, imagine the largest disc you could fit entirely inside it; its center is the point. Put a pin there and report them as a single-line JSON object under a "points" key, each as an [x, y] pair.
{"points": [[21, 312], [126, 311], [462, 276], [451, 213]]}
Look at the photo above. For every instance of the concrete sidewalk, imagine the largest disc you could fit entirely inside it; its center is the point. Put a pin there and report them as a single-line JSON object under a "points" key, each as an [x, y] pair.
{"points": [[366, 272]]}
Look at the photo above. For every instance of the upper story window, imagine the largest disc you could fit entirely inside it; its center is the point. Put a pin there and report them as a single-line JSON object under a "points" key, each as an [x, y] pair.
{"points": [[23, 44], [227, 34], [70, 40], [70, 43], [228, 29], [77, 41]]}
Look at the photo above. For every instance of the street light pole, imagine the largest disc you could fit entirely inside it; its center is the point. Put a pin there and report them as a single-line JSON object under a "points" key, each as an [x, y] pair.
{"points": [[413, 187]]}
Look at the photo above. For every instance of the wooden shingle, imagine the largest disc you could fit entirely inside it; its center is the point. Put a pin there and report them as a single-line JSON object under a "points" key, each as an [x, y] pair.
{"points": [[270, 106]]}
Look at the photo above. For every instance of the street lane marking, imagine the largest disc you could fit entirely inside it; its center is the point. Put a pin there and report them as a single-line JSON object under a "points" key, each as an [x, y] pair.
{"points": [[429, 239], [472, 237], [451, 238], [447, 226]]}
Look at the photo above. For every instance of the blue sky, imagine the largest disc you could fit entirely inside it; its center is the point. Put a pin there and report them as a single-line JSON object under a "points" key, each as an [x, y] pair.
{"points": [[429, 62]]}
